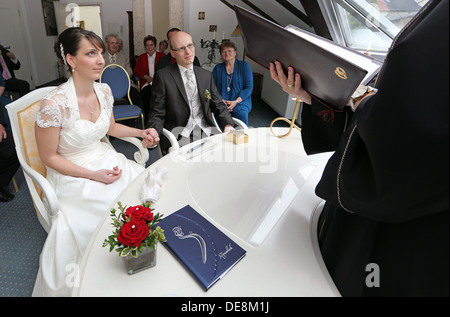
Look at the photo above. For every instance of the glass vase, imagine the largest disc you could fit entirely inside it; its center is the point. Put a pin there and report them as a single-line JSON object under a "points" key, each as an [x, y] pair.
{"points": [[145, 260]]}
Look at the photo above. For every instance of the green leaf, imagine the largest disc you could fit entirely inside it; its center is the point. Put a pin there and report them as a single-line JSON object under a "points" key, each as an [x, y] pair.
{"points": [[124, 251]]}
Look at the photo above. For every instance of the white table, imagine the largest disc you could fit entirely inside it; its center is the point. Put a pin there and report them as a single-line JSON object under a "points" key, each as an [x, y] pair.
{"points": [[261, 194]]}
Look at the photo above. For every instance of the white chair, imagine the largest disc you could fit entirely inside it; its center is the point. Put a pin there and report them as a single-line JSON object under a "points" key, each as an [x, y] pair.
{"points": [[173, 142], [238, 123], [22, 114]]}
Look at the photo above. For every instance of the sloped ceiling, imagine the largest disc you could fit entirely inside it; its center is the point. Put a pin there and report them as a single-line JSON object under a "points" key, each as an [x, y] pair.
{"points": [[305, 14]]}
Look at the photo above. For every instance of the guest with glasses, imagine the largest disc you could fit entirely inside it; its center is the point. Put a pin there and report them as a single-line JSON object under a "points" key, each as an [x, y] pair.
{"points": [[169, 59], [184, 48], [234, 81], [112, 55], [183, 95]]}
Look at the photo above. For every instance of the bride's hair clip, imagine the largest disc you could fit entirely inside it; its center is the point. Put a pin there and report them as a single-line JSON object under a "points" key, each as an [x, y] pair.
{"points": [[62, 54]]}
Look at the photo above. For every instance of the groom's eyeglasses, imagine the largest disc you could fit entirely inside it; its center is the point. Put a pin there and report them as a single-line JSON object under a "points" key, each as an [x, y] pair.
{"points": [[182, 49]]}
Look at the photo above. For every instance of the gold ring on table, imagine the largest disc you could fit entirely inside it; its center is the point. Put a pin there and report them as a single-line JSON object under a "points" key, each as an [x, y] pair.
{"points": [[291, 122]]}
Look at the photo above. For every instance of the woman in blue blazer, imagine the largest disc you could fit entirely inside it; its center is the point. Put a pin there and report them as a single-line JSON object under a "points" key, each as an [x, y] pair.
{"points": [[234, 81]]}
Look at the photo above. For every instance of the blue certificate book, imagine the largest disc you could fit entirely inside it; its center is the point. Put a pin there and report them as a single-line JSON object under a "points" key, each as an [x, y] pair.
{"points": [[205, 250]]}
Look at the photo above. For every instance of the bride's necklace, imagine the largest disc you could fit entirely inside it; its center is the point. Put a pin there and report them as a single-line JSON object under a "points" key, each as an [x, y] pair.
{"points": [[90, 106], [92, 110]]}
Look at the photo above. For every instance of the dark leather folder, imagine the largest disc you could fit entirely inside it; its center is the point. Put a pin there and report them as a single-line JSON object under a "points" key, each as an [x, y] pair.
{"points": [[325, 75]]}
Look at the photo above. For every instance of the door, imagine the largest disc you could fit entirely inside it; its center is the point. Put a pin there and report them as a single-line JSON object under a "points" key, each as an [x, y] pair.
{"points": [[12, 34]]}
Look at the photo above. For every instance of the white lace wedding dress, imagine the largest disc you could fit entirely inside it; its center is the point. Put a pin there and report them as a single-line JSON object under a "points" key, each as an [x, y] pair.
{"points": [[83, 202]]}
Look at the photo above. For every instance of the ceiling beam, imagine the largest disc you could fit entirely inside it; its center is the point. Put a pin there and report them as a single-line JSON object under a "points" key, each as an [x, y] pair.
{"points": [[227, 4], [251, 5], [299, 14], [259, 11], [315, 15]]}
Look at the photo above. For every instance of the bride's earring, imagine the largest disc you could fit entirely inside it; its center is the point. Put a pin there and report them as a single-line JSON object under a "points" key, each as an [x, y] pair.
{"points": [[70, 62]]}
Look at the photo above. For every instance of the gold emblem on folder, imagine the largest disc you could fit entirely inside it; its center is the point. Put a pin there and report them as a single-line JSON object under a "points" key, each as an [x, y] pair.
{"points": [[340, 72]]}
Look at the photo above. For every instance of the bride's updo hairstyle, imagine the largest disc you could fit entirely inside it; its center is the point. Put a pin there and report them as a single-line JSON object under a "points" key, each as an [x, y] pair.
{"points": [[69, 43]]}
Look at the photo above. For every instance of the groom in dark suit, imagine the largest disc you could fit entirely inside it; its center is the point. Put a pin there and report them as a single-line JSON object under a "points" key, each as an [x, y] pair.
{"points": [[183, 95]]}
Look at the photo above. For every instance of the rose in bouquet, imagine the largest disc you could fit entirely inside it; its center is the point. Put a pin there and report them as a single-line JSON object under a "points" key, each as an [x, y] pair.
{"points": [[135, 229]]}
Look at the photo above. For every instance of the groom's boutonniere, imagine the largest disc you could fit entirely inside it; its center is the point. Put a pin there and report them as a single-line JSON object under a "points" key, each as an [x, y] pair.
{"points": [[207, 95]]}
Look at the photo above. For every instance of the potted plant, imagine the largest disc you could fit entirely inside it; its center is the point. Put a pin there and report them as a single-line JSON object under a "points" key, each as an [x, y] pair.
{"points": [[135, 236]]}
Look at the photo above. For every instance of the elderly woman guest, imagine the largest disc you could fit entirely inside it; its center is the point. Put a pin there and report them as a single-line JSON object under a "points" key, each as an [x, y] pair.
{"points": [[145, 69], [234, 81], [87, 174]]}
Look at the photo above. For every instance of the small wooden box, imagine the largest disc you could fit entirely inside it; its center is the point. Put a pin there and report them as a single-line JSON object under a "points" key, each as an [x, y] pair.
{"points": [[237, 137]]}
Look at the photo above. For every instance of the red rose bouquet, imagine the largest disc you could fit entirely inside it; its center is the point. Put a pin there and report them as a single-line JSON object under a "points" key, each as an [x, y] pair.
{"points": [[134, 229]]}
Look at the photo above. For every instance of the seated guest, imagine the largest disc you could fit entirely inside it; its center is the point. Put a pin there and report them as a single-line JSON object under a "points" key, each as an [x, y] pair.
{"points": [[9, 163], [114, 56], [234, 81], [8, 64], [169, 59], [145, 69], [180, 96], [4, 100], [163, 45]]}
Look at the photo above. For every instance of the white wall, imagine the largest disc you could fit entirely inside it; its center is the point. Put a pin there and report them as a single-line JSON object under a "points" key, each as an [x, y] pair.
{"points": [[216, 13], [43, 59]]}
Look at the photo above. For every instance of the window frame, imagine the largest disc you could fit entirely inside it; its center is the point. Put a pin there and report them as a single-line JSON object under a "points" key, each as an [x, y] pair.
{"points": [[364, 12]]}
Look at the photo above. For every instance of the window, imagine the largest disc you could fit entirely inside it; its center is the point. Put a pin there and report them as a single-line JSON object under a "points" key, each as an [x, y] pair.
{"points": [[368, 24]]}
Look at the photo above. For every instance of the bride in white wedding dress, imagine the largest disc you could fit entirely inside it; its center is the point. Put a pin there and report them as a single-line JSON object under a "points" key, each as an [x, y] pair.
{"points": [[87, 174]]}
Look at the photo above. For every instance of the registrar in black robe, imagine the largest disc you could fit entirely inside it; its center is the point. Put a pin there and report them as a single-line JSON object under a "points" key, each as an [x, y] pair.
{"points": [[387, 185]]}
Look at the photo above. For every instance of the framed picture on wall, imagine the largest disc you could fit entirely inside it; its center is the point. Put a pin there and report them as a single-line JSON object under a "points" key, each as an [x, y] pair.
{"points": [[48, 9]]}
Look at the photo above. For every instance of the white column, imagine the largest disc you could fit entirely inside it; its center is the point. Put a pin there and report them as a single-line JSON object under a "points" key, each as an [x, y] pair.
{"points": [[139, 26], [176, 14]]}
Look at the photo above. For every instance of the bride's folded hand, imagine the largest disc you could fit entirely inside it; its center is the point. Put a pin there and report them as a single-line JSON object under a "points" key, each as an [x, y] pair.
{"points": [[108, 176]]}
